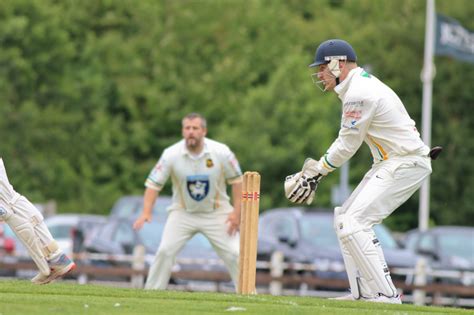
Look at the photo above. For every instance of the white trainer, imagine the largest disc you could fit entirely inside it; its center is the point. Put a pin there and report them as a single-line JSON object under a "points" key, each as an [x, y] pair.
{"points": [[59, 267], [379, 299]]}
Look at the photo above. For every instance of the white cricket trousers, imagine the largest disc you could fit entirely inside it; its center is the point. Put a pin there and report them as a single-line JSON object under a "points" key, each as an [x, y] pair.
{"points": [[180, 227], [385, 187]]}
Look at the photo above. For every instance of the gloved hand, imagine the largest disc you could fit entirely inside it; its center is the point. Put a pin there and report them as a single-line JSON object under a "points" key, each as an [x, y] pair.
{"points": [[301, 187]]}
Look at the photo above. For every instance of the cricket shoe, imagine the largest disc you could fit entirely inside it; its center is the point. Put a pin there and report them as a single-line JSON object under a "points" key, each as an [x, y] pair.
{"points": [[379, 299], [59, 267]]}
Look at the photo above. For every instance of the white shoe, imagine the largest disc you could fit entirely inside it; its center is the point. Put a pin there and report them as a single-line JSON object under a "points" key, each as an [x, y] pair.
{"points": [[385, 299], [59, 267]]}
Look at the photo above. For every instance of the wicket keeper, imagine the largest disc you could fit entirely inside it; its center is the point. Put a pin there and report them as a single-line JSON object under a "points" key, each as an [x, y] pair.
{"points": [[374, 114]]}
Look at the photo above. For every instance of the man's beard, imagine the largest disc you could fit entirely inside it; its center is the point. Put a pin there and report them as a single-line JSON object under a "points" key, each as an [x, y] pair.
{"points": [[192, 143]]}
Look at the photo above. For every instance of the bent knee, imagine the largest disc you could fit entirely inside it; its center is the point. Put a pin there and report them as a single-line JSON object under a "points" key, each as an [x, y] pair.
{"points": [[346, 225]]}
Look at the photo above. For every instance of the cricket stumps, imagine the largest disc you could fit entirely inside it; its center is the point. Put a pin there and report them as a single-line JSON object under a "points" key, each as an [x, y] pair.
{"points": [[249, 233]]}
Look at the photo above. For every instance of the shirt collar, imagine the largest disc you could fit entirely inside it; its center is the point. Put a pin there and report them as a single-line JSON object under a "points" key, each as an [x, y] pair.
{"points": [[342, 87], [205, 150]]}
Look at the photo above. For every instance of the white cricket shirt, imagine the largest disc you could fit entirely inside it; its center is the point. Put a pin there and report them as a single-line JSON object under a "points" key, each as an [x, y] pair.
{"points": [[374, 114], [199, 182]]}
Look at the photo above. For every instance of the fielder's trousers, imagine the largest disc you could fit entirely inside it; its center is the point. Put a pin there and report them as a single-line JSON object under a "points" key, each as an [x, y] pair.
{"points": [[180, 227]]}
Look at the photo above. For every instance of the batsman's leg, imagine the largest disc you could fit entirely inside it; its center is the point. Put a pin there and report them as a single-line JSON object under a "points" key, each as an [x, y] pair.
{"points": [[362, 249], [58, 264], [27, 223]]}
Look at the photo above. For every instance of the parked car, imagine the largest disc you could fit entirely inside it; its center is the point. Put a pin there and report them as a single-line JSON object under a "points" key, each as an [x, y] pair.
{"points": [[118, 237], [308, 237], [132, 206], [70, 230], [446, 248], [7, 249]]}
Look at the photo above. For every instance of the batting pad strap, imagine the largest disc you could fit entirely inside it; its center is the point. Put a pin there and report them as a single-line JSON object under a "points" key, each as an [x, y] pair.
{"points": [[14, 199], [50, 248], [36, 220]]}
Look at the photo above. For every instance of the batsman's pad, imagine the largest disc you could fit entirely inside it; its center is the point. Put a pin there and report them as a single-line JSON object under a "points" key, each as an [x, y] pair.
{"points": [[364, 252], [25, 222]]}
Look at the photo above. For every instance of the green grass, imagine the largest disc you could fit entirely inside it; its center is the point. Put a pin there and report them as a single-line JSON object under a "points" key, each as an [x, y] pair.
{"points": [[22, 297]]}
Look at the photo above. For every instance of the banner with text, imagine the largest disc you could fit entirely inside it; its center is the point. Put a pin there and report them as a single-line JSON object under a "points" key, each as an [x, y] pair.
{"points": [[452, 39]]}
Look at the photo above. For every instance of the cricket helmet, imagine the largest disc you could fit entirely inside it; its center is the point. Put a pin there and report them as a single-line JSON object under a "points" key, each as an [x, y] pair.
{"points": [[333, 49]]}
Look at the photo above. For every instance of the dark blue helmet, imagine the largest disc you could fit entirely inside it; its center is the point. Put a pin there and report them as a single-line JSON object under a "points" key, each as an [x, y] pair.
{"points": [[333, 49]]}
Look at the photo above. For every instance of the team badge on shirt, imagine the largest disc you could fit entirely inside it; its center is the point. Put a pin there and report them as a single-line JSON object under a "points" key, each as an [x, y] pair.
{"points": [[198, 186], [209, 163]]}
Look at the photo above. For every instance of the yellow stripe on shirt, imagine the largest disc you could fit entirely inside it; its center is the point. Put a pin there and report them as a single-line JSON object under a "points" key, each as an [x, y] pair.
{"points": [[382, 152]]}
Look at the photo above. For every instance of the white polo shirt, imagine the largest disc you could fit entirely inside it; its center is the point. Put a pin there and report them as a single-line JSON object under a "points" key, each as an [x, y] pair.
{"points": [[199, 182]]}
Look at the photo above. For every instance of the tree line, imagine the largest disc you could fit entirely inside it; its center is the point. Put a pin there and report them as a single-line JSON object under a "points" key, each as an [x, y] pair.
{"points": [[93, 91]]}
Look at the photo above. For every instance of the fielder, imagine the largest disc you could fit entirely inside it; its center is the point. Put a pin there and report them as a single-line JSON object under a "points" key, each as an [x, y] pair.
{"points": [[371, 113], [199, 169], [27, 223]]}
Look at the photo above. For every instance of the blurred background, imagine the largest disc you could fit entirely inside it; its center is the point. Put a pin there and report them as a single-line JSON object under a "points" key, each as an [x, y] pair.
{"points": [[92, 91]]}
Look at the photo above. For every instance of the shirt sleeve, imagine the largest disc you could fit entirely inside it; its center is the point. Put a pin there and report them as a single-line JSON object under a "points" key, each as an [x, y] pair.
{"points": [[160, 173], [232, 171], [357, 115]]}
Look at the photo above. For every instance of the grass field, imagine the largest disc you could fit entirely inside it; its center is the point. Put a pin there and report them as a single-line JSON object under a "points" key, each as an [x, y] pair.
{"points": [[21, 297]]}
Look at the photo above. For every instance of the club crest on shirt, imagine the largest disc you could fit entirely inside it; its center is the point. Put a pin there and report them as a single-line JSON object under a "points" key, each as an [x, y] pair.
{"points": [[209, 163], [198, 186]]}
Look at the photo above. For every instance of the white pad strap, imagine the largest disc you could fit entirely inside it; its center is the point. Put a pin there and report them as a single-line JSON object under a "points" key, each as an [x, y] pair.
{"points": [[361, 247], [50, 249]]}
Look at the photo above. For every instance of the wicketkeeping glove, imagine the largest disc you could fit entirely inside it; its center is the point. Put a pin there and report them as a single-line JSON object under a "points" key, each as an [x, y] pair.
{"points": [[300, 188]]}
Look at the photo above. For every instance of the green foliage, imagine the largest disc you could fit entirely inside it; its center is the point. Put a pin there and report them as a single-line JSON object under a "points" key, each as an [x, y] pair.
{"points": [[93, 91]]}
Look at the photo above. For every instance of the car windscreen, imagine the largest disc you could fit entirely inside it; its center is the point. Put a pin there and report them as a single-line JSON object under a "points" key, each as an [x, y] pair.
{"points": [[318, 231], [151, 233], [60, 231], [128, 207], [457, 243]]}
